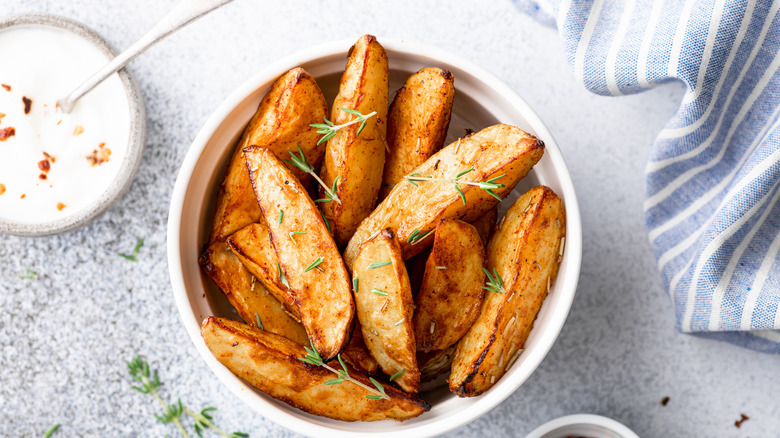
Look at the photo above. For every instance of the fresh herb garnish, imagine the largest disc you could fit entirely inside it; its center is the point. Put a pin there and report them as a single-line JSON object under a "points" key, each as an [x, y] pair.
{"points": [[329, 128], [494, 282], [416, 236], [51, 431], [327, 222], [282, 278], [313, 358], [378, 264], [318, 261], [31, 275], [330, 195], [132, 257], [379, 292], [150, 381], [300, 162], [488, 185], [397, 375], [293, 233], [281, 216], [355, 284], [259, 323]]}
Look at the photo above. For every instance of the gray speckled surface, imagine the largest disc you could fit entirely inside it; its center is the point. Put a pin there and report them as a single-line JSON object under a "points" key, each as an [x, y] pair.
{"points": [[65, 336]]}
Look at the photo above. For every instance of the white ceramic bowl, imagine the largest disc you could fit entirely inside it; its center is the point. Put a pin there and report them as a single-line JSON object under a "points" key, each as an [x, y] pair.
{"points": [[584, 425], [481, 100]]}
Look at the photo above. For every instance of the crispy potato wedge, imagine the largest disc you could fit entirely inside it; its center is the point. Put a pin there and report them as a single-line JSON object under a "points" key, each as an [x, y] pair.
{"points": [[435, 363], [357, 354], [417, 123], [250, 298], [270, 363], [280, 123], [384, 305], [252, 245], [451, 293], [310, 262], [525, 251], [417, 208], [357, 160], [485, 224]]}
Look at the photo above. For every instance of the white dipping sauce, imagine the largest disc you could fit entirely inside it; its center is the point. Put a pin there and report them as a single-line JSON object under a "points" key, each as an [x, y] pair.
{"points": [[83, 150]]}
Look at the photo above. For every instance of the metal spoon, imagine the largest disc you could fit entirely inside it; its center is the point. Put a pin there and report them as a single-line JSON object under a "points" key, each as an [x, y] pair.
{"points": [[184, 13]]}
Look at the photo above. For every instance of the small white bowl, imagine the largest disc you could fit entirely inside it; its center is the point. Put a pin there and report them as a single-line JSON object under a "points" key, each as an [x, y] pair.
{"points": [[135, 142], [582, 425], [481, 100]]}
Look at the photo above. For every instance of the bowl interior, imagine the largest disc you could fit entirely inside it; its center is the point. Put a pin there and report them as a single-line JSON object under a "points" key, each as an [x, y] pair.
{"points": [[480, 101]]}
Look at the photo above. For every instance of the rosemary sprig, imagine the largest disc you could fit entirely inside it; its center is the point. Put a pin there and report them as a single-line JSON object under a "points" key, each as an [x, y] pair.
{"points": [[313, 358], [259, 323], [150, 381], [397, 375], [378, 264], [31, 275], [318, 261], [416, 237], [379, 292], [293, 233], [329, 128], [282, 278], [330, 195], [488, 185], [132, 257], [494, 282], [281, 216], [51, 431], [300, 162]]}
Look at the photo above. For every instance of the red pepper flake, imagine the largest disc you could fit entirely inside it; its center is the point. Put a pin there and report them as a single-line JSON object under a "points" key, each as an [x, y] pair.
{"points": [[6, 86], [60, 206], [23, 195], [739, 422], [7, 132], [102, 145], [100, 156], [50, 158], [2, 115], [78, 130], [42, 176], [2, 189], [44, 165], [665, 401], [27, 104]]}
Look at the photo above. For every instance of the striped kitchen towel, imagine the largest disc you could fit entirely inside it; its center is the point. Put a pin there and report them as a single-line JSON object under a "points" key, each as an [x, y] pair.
{"points": [[711, 206]]}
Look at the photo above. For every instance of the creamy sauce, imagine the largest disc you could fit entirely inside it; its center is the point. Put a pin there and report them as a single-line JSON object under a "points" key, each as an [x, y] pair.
{"points": [[52, 164]]}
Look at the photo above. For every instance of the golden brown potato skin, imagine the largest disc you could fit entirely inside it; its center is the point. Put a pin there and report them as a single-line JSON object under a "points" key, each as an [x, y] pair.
{"points": [[525, 251], [387, 320], [451, 291], [357, 160], [485, 224], [252, 245], [417, 123], [248, 295], [494, 151], [270, 363], [357, 354], [282, 120], [323, 296]]}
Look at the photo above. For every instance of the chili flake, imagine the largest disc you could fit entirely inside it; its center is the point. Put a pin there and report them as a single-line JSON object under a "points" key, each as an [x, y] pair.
{"points": [[5, 133], [27, 104]]}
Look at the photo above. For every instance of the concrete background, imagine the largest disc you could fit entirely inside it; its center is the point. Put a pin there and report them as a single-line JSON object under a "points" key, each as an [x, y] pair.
{"points": [[65, 336]]}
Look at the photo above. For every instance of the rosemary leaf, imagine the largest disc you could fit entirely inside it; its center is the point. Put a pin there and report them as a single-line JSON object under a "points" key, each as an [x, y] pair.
{"points": [[378, 264], [397, 375], [318, 261]]}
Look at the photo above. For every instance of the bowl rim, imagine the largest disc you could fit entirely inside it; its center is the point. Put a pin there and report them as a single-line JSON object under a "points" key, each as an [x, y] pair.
{"points": [[585, 419], [136, 134], [483, 403]]}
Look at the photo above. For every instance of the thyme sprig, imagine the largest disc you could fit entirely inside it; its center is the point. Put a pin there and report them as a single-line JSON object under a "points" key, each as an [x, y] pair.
{"points": [[487, 186], [132, 257], [494, 282], [150, 381], [329, 128], [313, 358], [300, 162]]}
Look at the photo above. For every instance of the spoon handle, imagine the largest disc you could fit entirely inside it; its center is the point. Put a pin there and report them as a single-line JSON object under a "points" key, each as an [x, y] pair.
{"points": [[184, 13]]}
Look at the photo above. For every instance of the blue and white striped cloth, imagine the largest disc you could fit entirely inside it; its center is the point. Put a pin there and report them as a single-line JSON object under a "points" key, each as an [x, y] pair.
{"points": [[711, 206]]}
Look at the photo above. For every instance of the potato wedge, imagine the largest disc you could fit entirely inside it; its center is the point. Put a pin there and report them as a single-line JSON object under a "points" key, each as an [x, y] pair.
{"points": [[451, 293], [417, 123], [250, 298], [280, 123], [310, 262], [413, 210], [270, 363], [252, 245], [525, 251], [357, 160], [435, 363], [485, 224], [357, 354], [384, 305]]}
